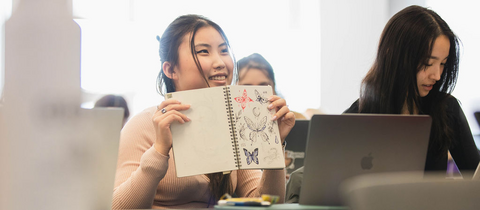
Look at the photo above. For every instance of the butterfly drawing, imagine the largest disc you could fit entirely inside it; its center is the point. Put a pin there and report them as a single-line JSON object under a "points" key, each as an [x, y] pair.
{"points": [[251, 156], [257, 129], [260, 98], [244, 99]]}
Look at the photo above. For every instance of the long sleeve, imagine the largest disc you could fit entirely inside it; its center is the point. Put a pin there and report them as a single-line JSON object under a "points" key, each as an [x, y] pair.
{"points": [[140, 167], [294, 185], [146, 179], [254, 183], [464, 151]]}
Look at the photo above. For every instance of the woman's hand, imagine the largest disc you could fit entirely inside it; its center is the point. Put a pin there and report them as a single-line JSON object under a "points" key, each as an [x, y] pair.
{"points": [[284, 117], [166, 114]]}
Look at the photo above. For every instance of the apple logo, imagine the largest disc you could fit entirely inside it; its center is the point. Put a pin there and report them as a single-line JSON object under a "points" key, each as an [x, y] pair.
{"points": [[367, 162]]}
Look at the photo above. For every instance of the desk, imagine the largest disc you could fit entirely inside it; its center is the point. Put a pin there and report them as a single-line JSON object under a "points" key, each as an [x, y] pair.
{"points": [[294, 206]]}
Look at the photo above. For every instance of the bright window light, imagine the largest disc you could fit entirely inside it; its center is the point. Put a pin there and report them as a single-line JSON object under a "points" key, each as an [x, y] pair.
{"points": [[120, 50]]}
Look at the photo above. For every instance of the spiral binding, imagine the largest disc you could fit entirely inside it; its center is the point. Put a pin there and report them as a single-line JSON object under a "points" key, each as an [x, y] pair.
{"points": [[233, 132]]}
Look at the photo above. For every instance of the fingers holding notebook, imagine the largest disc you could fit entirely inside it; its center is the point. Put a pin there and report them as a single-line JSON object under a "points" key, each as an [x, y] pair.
{"points": [[283, 115], [166, 114]]}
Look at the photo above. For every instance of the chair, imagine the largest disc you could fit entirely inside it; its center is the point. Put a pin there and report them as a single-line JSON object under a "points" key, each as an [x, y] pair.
{"points": [[402, 191]]}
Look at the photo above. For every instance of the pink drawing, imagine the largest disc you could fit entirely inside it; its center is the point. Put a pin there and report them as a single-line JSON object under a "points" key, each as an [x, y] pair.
{"points": [[244, 99]]}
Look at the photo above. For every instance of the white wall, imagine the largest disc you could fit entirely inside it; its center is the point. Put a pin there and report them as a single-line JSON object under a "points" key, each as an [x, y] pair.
{"points": [[396, 5], [350, 31], [5, 12]]}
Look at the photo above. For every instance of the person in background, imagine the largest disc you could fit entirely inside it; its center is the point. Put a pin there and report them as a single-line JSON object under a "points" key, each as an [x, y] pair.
{"points": [[414, 73], [195, 53], [114, 101], [256, 70]]}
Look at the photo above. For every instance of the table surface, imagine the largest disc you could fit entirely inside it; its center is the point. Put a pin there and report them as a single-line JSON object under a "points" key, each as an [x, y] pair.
{"points": [[294, 206]]}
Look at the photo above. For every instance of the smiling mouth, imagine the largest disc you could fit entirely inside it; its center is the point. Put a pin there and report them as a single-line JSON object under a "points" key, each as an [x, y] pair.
{"points": [[217, 78]]}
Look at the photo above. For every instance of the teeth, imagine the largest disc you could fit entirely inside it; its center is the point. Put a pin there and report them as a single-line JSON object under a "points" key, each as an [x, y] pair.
{"points": [[218, 78]]}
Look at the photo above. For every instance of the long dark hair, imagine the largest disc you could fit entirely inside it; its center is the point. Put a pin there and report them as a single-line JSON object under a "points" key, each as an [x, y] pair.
{"points": [[404, 49], [171, 40], [169, 44]]}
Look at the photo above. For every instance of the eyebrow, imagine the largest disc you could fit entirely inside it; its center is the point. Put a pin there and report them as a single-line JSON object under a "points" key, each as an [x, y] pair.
{"points": [[437, 58], [207, 45]]}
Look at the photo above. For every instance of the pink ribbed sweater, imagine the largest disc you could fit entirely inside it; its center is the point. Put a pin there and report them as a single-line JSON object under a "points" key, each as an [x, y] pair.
{"points": [[146, 179]]}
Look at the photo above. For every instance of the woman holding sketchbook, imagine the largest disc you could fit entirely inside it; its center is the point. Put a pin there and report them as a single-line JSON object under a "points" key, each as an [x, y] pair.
{"points": [[195, 53], [415, 71]]}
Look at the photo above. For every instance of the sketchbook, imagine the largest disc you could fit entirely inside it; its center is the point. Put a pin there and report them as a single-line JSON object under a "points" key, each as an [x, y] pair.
{"points": [[230, 129]]}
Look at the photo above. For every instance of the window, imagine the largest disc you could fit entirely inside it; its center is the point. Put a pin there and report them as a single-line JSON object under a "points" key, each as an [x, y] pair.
{"points": [[120, 50]]}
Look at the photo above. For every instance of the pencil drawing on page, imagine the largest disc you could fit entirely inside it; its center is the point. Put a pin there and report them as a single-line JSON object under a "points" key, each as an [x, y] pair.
{"points": [[257, 129], [271, 156], [260, 98]]}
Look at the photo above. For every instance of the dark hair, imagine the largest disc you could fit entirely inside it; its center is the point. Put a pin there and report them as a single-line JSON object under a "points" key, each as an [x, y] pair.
{"points": [[171, 40], [256, 61], [114, 101], [404, 49], [169, 44]]}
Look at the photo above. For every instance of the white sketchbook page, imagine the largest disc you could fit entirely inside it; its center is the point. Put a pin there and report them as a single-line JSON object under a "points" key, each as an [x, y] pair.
{"points": [[203, 145], [255, 129]]}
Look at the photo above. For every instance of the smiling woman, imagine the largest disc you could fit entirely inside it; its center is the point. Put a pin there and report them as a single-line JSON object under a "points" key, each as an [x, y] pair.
{"points": [[195, 53], [211, 65]]}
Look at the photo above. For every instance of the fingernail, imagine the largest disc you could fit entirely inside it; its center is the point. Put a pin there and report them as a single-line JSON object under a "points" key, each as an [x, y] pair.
{"points": [[270, 106], [274, 117], [270, 98]]}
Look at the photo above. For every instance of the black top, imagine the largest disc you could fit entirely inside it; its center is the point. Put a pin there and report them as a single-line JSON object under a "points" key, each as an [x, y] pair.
{"points": [[463, 149]]}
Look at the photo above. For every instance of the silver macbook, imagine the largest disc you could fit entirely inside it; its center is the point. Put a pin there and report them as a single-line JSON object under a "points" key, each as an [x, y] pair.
{"points": [[343, 146]]}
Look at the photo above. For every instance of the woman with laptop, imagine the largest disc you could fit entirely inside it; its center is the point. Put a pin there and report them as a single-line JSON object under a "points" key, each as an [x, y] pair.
{"points": [[415, 71]]}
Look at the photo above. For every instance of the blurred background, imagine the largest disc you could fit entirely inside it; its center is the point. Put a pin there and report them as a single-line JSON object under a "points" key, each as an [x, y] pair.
{"points": [[319, 50]]}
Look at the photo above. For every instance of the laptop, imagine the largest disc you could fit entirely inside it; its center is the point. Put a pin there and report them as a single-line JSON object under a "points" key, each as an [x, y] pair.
{"points": [[343, 146], [296, 143]]}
